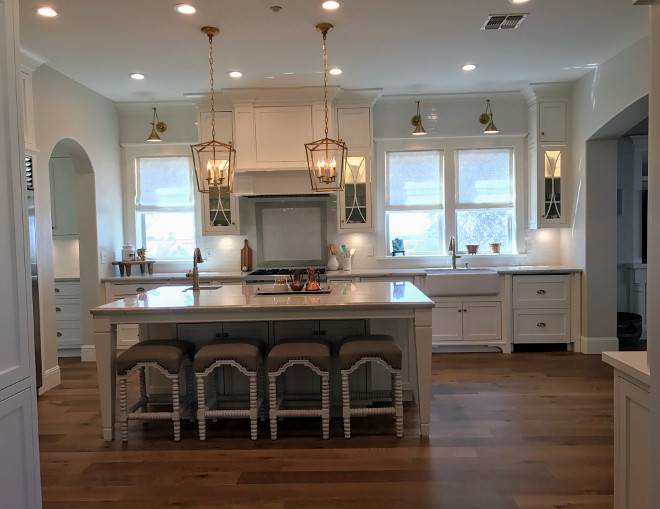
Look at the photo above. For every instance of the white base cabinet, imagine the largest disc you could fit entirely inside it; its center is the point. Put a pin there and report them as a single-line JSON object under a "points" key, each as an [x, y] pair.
{"points": [[67, 316], [466, 322]]}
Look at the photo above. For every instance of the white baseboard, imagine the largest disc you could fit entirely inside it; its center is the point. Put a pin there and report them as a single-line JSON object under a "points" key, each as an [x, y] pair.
{"points": [[598, 345], [88, 353], [52, 377]]}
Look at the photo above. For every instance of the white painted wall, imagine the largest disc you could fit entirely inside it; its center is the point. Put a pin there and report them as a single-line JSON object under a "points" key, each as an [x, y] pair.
{"points": [[66, 110]]}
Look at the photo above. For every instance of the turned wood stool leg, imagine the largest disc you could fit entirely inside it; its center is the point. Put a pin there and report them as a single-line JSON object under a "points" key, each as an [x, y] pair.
{"points": [[123, 405], [397, 389], [254, 410], [176, 416], [201, 407], [325, 405], [346, 404], [272, 414]]}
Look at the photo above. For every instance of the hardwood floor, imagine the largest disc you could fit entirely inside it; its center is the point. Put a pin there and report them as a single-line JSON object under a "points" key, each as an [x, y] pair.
{"points": [[519, 431]]}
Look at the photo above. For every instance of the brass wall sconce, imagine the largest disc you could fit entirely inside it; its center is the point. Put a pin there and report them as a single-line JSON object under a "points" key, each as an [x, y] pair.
{"points": [[416, 120], [487, 118], [156, 127]]}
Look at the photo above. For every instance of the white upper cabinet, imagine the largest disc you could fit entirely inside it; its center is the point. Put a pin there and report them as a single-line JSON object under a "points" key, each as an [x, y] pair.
{"points": [[548, 153], [354, 204], [63, 202]]}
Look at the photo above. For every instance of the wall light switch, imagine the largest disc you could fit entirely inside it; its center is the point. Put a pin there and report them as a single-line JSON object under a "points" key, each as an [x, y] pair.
{"points": [[208, 252], [370, 250], [104, 257]]}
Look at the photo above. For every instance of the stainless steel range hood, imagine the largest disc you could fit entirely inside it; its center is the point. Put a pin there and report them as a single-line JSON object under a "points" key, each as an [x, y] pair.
{"points": [[285, 182]]}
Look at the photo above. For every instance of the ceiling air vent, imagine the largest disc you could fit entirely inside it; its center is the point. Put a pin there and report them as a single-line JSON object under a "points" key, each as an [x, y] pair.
{"points": [[503, 21]]}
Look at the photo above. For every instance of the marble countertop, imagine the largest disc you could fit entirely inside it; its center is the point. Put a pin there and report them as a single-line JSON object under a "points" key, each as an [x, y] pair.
{"points": [[382, 295], [356, 272], [634, 364]]}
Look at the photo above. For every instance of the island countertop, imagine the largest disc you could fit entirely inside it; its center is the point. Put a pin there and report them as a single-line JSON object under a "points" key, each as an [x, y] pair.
{"points": [[245, 298]]}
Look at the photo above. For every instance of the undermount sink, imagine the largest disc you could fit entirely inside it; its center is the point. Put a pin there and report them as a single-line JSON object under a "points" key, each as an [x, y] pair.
{"points": [[446, 282], [202, 287]]}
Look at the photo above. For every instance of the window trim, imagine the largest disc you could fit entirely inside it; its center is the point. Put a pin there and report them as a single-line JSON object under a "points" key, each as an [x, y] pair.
{"points": [[132, 151], [449, 146]]}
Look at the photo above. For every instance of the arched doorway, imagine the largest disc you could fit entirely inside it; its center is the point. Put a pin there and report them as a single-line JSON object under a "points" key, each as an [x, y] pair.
{"points": [[75, 245]]}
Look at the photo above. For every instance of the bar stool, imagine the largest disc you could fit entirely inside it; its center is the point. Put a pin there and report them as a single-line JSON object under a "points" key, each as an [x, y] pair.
{"points": [[243, 354], [172, 357], [375, 348], [314, 355]]}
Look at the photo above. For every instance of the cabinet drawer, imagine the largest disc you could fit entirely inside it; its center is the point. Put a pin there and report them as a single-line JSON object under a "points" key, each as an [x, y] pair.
{"points": [[67, 289], [68, 332], [67, 310], [542, 291], [542, 326], [121, 291]]}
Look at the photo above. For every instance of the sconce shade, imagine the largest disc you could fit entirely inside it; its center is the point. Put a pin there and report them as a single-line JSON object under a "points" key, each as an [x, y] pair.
{"points": [[326, 158], [490, 128], [416, 120], [214, 162], [154, 135]]}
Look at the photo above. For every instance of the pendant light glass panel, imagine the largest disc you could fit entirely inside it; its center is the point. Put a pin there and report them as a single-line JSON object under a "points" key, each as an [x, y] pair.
{"points": [[326, 160]]}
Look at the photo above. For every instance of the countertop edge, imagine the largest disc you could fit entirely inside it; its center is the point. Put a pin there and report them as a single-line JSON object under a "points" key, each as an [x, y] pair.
{"points": [[633, 364]]}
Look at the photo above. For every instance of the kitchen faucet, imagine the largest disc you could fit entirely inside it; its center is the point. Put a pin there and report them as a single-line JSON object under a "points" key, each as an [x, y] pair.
{"points": [[452, 248], [194, 273]]}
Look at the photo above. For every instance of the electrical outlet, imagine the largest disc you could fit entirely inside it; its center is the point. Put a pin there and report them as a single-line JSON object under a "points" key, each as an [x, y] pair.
{"points": [[370, 250], [208, 253], [104, 257]]}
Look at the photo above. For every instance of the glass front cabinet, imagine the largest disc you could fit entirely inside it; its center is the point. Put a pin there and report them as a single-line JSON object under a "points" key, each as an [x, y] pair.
{"points": [[354, 202], [551, 189], [219, 214]]}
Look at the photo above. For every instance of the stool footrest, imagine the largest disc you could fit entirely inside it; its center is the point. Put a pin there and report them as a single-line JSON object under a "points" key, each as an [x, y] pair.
{"points": [[373, 411]]}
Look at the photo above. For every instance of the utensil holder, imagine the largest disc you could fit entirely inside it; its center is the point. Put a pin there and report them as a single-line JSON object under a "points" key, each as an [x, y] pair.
{"points": [[346, 263]]}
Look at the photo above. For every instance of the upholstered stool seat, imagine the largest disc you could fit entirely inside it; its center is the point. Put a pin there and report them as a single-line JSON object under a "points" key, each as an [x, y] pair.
{"points": [[172, 357], [242, 354], [376, 348], [314, 355]]}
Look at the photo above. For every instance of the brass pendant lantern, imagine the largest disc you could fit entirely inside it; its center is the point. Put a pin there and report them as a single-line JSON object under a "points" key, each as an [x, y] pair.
{"points": [[214, 161], [326, 158]]}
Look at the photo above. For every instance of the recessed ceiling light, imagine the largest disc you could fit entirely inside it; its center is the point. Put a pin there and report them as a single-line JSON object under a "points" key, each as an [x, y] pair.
{"points": [[48, 12], [137, 76], [235, 74], [287, 73], [270, 77], [331, 5], [185, 9], [518, 1], [469, 67], [335, 71]]}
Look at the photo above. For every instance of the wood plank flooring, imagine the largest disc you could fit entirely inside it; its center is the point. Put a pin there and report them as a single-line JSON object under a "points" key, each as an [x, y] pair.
{"points": [[520, 431]]}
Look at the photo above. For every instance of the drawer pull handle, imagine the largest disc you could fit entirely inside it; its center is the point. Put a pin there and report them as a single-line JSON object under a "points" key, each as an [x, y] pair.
{"points": [[540, 324], [225, 334], [460, 310], [218, 334], [139, 289], [541, 292], [59, 334], [465, 311], [57, 290], [58, 310]]}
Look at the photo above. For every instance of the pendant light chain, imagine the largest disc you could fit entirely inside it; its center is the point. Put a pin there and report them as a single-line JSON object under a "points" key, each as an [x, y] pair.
{"points": [[325, 84], [212, 93]]}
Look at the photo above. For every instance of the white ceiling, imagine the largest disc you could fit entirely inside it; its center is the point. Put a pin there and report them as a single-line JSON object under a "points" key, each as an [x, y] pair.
{"points": [[411, 47]]}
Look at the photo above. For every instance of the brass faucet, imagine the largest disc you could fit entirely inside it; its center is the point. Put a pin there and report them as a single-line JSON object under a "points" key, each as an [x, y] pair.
{"points": [[452, 248], [194, 273]]}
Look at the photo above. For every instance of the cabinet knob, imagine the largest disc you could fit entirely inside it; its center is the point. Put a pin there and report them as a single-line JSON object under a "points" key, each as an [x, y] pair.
{"points": [[542, 133], [225, 334], [139, 289], [323, 333], [59, 334], [541, 292], [58, 310], [57, 290], [315, 333], [460, 310], [540, 324], [465, 311]]}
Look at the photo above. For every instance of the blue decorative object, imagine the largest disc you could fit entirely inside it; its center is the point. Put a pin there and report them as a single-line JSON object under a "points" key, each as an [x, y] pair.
{"points": [[397, 247]]}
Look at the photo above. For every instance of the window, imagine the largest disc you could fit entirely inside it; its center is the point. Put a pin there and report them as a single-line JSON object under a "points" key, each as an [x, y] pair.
{"points": [[164, 207], [414, 200], [440, 188], [485, 197]]}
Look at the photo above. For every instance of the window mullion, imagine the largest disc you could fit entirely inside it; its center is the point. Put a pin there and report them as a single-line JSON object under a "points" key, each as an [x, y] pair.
{"points": [[451, 183]]}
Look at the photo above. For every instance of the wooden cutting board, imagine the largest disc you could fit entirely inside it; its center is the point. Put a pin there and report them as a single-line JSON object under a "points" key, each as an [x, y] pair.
{"points": [[246, 257]]}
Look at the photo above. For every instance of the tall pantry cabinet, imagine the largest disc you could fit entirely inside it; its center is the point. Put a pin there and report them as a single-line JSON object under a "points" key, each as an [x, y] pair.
{"points": [[19, 462]]}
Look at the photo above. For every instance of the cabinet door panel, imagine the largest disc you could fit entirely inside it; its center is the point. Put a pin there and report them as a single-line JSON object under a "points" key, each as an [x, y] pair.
{"points": [[482, 321], [552, 122], [447, 322]]}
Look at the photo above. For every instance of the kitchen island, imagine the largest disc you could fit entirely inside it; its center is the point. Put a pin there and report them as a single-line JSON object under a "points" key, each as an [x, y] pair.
{"points": [[234, 303]]}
